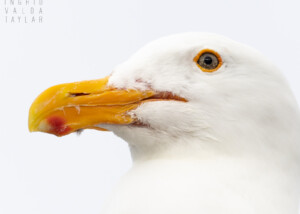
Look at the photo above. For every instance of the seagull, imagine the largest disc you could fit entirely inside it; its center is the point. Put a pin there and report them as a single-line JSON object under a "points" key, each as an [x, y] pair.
{"points": [[211, 124]]}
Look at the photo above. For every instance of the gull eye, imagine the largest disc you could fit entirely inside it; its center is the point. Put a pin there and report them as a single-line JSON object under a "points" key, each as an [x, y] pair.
{"points": [[208, 60]]}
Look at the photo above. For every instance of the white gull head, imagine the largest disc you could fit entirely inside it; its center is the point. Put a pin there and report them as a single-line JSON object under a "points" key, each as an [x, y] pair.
{"points": [[244, 107]]}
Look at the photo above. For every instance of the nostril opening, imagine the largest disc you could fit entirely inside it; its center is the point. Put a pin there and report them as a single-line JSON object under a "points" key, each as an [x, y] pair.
{"points": [[78, 94]]}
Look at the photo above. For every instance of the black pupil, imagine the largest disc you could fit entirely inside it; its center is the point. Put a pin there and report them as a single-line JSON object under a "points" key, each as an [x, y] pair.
{"points": [[208, 60]]}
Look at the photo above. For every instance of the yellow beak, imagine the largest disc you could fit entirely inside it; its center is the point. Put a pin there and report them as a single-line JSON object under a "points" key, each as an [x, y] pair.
{"points": [[65, 108]]}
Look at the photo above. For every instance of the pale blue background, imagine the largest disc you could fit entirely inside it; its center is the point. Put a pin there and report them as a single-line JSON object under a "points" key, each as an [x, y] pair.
{"points": [[85, 39]]}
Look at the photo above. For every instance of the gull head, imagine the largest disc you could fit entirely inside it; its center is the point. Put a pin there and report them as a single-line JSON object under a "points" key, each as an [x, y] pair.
{"points": [[195, 90]]}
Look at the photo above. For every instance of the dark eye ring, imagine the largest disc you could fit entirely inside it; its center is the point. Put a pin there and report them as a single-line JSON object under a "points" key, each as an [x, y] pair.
{"points": [[208, 60]]}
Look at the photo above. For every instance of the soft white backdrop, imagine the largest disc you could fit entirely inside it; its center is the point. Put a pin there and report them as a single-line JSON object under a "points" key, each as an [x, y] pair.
{"points": [[85, 39]]}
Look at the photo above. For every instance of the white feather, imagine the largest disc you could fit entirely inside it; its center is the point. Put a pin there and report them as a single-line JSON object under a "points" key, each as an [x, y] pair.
{"points": [[232, 148]]}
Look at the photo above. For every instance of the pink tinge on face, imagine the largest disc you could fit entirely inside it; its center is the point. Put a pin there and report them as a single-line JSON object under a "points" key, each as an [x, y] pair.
{"points": [[58, 126]]}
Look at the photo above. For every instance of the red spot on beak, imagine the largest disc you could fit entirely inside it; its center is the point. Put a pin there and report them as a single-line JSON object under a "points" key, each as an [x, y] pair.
{"points": [[58, 126]]}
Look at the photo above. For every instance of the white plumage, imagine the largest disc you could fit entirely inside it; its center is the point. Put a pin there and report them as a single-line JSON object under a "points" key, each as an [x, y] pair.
{"points": [[232, 148]]}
